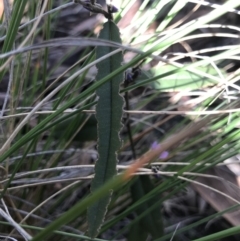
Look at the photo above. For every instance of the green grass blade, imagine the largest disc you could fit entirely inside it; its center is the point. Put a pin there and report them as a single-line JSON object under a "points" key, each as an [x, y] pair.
{"points": [[184, 80], [80, 207], [19, 7], [108, 114], [172, 13], [137, 233], [152, 222], [220, 235], [195, 224]]}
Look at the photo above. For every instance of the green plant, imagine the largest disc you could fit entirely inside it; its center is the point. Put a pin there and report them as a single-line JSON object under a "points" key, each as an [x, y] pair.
{"points": [[49, 131]]}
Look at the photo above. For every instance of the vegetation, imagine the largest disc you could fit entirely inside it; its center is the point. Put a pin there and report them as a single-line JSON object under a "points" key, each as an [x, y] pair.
{"points": [[144, 100]]}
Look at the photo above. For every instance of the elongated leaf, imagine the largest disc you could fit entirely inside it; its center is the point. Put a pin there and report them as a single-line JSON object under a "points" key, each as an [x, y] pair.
{"points": [[152, 222], [136, 232], [108, 114], [18, 9]]}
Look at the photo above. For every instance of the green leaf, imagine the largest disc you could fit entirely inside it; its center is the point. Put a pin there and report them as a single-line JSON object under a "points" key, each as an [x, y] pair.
{"points": [[220, 235], [108, 114], [12, 30], [136, 232], [183, 79], [74, 212], [152, 222]]}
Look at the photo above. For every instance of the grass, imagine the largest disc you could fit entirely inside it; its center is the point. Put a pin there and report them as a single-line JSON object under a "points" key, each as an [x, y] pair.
{"points": [[61, 114]]}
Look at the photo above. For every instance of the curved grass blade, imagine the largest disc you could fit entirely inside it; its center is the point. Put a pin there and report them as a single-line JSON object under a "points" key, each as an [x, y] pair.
{"points": [[108, 114]]}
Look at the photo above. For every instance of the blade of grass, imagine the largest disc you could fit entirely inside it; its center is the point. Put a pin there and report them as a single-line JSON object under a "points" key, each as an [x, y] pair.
{"points": [[17, 14]]}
